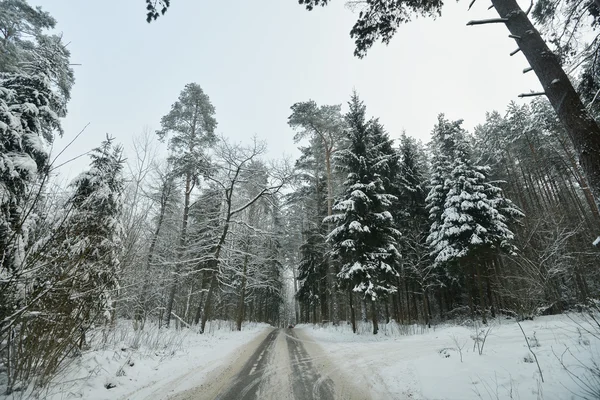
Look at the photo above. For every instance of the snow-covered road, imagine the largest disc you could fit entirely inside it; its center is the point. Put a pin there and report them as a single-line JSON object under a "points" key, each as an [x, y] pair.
{"points": [[283, 365]]}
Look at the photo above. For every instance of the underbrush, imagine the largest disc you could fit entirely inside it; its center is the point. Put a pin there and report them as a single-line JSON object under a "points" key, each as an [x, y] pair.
{"points": [[115, 354], [390, 329]]}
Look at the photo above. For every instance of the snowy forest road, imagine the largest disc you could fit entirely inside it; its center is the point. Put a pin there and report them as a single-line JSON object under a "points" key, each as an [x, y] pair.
{"points": [[284, 365]]}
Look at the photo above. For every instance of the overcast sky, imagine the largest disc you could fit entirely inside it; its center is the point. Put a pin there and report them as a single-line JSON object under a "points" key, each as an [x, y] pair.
{"points": [[256, 58]]}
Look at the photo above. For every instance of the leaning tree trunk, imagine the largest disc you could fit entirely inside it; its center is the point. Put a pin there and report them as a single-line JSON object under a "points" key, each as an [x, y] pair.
{"points": [[142, 305], [182, 241], [582, 129], [215, 270]]}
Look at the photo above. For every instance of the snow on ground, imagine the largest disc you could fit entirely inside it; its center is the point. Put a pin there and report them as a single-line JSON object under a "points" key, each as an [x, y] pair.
{"points": [[141, 364], [426, 363]]}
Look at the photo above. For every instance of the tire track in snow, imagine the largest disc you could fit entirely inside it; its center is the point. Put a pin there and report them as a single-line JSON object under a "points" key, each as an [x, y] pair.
{"points": [[284, 366]]}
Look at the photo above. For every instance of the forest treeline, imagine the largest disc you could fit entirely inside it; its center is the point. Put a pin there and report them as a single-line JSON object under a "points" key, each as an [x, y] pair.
{"points": [[500, 220], [497, 221], [181, 240]]}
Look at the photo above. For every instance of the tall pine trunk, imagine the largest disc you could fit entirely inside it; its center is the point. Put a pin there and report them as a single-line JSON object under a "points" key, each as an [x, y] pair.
{"points": [[582, 129], [331, 273], [352, 314]]}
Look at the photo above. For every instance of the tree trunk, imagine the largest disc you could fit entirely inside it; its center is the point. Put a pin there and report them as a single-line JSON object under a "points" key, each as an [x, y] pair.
{"points": [[323, 285], [406, 291], [482, 298], [208, 301], [363, 310], [582, 129], [374, 315], [215, 264], [387, 312], [331, 279], [182, 241], [140, 314], [352, 315], [240, 310], [297, 312], [426, 308]]}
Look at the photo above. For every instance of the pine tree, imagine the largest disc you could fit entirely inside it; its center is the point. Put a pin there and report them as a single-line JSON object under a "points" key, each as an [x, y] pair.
{"points": [[324, 125], [192, 124], [364, 239]]}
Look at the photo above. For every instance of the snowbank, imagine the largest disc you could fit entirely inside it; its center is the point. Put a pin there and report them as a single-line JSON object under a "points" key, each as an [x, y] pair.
{"points": [[428, 365], [128, 364]]}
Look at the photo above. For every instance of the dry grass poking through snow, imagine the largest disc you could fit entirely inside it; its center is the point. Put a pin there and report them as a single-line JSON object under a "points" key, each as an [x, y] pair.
{"points": [[123, 363], [414, 362]]}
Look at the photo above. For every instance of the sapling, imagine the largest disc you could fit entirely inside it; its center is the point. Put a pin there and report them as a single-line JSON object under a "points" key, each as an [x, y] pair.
{"points": [[480, 336], [459, 345]]}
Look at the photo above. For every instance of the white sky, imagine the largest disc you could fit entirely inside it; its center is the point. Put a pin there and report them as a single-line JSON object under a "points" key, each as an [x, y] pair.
{"points": [[256, 58]]}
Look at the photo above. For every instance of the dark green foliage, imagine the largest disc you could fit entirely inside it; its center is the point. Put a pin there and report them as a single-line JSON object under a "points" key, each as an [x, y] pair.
{"points": [[27, 124], [25, 48], [469, 214], [379, 19], [156, 8], [191, 125], [364, 239]]}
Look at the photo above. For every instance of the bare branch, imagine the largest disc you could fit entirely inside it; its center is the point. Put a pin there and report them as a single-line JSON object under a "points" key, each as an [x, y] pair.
{"points": [[532, 94], [487, 21]]}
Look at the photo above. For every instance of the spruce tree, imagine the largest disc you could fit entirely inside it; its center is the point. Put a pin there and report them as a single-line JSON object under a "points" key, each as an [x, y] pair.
{"points": [[78, 262], [312, 271], [469, 214], [93, 234], [364, 239]]}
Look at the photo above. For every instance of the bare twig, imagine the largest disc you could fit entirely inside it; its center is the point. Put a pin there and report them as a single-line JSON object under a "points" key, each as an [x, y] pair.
{"points": [[531, 351]]}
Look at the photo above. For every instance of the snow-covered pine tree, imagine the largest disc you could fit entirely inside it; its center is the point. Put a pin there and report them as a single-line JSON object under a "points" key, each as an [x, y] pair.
{"points": [[469, 214], [364, 239]]}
